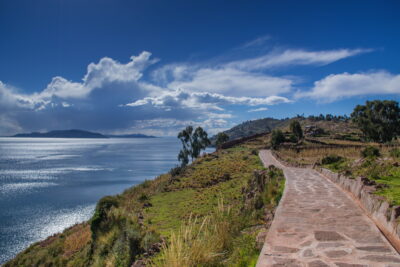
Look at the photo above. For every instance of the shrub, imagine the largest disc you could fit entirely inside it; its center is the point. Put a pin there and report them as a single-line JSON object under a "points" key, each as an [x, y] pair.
{"points": [[296, 130], [143, 197], [292, 138], [254, 152], [277, 138], [331, 159], [370, 152], [176, 171], [100, 213], [395, 153]]}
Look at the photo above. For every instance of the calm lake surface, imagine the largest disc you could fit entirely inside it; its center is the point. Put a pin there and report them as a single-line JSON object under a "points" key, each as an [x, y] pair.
{"points": [[48, 184]]}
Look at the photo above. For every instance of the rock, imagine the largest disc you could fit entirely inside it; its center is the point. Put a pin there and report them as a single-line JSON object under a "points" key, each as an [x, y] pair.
{"points": [[285, 249], [328, 245], [308, 253], [339, 264], [327, 236], [147, 205], [317, 263], [375, 248], [336, 253], [367, 181], [381, 258]]}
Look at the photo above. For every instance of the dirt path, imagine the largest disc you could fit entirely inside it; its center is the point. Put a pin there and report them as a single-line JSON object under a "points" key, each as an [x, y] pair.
{"points": [[317, 224]]}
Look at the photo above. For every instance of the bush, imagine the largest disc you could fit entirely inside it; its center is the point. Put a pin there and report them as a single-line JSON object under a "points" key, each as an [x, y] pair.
{"points": [[293, 139], [296, 130], [143, 197], [277, 138], [176, 171], [370, 152], [100, 213], [395, 153], [331, 159]]}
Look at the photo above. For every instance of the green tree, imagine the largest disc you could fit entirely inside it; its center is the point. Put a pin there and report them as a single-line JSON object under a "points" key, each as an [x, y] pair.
{"points": [[277, 138], [193, 142], [295, 128], [378, 120], [221, 138]]}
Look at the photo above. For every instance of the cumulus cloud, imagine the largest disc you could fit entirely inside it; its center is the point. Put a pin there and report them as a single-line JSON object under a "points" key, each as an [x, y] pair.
{"points": [[115, 97], [337, 86], [204, 101]]}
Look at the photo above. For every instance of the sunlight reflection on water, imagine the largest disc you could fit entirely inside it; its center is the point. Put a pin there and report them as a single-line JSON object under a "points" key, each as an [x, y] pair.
{"points": [[48, 184]]}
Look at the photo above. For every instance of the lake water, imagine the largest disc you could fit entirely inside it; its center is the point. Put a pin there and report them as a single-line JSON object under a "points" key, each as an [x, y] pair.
{"points": [[48, 184]]}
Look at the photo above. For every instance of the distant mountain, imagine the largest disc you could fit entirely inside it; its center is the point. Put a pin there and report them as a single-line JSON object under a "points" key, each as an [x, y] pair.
{"points": [[63, 134], [253, 127], [130, 136]]}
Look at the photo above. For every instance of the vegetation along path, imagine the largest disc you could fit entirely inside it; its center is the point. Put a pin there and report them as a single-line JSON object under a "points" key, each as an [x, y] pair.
{"points": [[317, 224]]}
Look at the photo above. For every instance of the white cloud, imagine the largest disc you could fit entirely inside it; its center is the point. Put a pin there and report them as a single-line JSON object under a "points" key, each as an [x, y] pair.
{"points": [[182, 94], [203, 101], [295, 57], [99, 75], [243, 77], [257, 109], [233, 82], [337, 86]]}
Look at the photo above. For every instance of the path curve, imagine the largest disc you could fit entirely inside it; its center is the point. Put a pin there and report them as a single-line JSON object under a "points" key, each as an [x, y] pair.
{"points": [[317, 224]]}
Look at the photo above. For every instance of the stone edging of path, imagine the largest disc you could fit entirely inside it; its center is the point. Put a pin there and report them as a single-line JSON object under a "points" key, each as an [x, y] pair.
{"points": [[385, 216]]}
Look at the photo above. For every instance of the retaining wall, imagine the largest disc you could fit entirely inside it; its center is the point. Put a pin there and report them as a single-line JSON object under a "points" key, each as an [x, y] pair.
{"points": [[361, 189]]}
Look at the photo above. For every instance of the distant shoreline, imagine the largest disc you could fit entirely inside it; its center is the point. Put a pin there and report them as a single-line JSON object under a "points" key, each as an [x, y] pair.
{"points": [[76, 134]]}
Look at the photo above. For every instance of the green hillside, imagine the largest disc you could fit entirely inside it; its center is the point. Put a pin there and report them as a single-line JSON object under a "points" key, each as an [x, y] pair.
{"points": [[207, 214]]}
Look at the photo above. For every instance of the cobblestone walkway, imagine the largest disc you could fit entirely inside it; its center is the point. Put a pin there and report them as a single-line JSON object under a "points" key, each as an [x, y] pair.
{"points": [[317, 224]]}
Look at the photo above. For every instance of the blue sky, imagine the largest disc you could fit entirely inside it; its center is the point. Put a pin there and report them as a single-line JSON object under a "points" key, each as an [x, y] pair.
{"points": [[155, 66]]}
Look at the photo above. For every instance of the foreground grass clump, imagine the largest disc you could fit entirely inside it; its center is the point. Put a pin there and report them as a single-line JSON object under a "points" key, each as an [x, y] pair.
{"points": [[146, 221], [221, 239]]}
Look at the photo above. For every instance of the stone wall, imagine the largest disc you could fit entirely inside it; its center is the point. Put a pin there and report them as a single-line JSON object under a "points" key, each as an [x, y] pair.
{"points": [[361, 189], [385, 216], [235, 142]]}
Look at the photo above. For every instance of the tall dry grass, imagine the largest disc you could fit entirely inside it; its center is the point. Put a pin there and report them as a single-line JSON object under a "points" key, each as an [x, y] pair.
{"points": [[199, 242]]}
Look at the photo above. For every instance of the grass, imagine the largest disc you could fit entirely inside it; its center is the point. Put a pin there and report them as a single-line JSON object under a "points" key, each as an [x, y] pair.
{"points": [[129, 226], [225, 236]]}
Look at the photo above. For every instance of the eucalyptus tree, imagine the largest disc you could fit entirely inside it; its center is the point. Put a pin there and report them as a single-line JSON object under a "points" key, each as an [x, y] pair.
{"points": [[296, 130], [221, 138], [378, 120], [193, 142]]}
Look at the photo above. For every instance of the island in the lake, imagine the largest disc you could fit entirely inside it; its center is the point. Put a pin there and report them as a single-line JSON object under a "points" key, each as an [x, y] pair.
{"points": [[78, 134]]}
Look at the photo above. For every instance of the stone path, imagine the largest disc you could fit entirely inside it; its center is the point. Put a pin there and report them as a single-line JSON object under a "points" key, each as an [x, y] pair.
{"points": [[317, 224]]}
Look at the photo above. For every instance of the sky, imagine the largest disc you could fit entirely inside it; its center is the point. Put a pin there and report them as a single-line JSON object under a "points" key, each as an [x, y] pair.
{"points": [[154, 66]]}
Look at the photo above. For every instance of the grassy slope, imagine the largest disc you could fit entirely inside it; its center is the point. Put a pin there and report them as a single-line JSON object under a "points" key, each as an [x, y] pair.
{"points": [[126, 227], [253, 127]]}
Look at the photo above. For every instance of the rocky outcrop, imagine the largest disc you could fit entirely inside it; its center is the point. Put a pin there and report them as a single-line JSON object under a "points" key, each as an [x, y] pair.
{"points": [[385, 216]]}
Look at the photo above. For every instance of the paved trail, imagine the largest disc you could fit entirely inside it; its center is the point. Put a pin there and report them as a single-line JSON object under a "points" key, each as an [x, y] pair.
{"points": [[317, 224]]}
